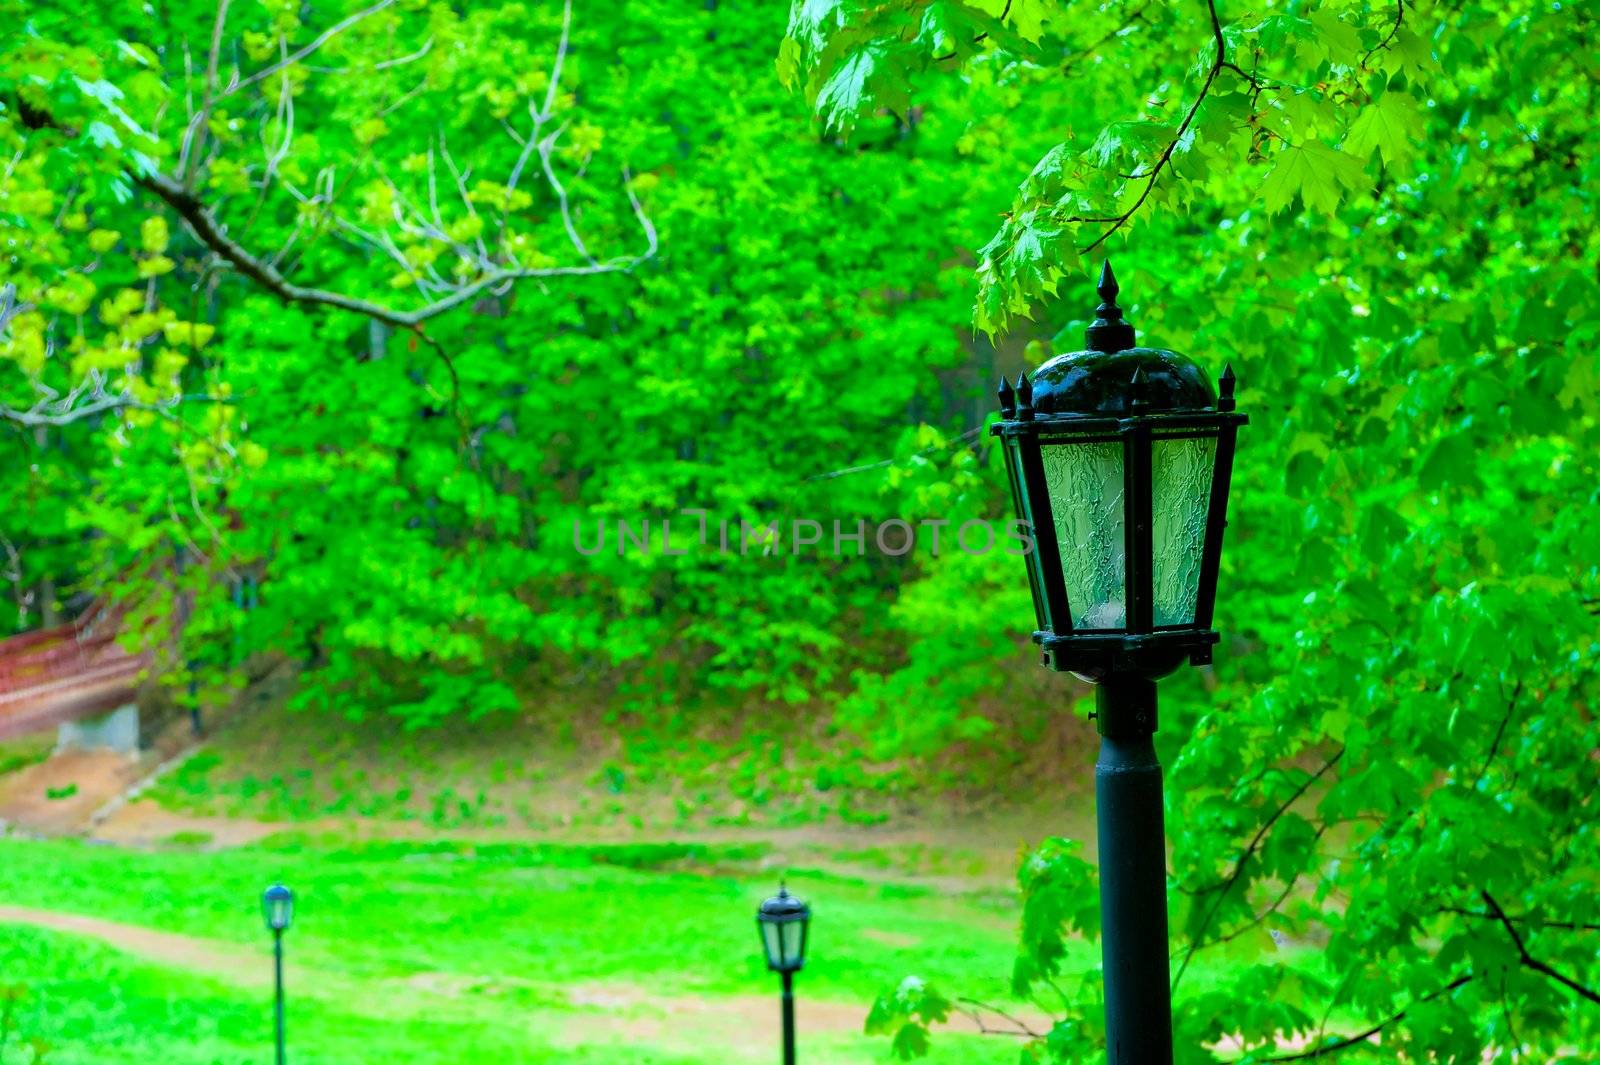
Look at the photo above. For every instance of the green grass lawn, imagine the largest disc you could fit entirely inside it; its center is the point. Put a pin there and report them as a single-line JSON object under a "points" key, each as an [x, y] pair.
{"points": [[461, 953]]}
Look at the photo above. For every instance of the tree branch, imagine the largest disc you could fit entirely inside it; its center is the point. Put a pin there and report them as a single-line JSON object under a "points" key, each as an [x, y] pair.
{"points": [[1528, 960], [294, 57], [1535, 922], [974, 1009], [1346, 1042], [1082, 53], [1244, 859], [48, 414], [204, 225], [1499, 734], [979, 39], [1217, 66], [197, 122], [1271, 909], [493, 274], [1399, 17]]}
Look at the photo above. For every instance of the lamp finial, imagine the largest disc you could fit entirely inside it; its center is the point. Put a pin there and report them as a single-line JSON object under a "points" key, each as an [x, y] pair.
{"points": [[1109, 332]]}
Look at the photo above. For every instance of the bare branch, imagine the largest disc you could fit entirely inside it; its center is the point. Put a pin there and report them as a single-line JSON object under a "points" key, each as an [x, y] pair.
{"points": [[460, 178], [427, 46], [975, 1010], [197, 121], [553, 91], [405, 98], [398, 61], [50, 412], [9, 307], [317, 42], [547, 146], [204, 225], [13, 573]]}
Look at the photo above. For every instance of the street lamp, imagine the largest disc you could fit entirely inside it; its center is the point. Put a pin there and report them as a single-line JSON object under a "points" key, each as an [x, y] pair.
{"points": [[1119, 459], [784, 922], [277, 908]]}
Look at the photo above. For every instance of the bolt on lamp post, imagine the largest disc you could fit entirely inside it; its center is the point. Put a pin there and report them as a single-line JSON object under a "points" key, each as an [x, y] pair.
{"points": [[1119, 459], [784, 922], [277, 907]]}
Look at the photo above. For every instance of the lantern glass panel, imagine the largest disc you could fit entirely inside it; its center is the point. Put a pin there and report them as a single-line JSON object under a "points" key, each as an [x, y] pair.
{"points": [[1019, 499], [791, 932], [1085, 481], [1180, 497], [771, 939], [279, 909]]}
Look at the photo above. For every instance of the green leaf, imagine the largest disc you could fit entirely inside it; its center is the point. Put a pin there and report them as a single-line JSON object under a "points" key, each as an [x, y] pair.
{"points": [[1391, 125], [1338, 38], [1318, 174], [854, 89]]}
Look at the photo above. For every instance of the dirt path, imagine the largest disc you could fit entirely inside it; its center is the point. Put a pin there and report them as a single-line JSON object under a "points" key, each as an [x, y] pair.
{"points": [[56, 797], [600, 1010], [210, 957]]}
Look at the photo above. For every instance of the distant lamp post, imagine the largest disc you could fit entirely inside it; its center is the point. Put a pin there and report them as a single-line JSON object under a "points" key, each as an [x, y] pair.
{"points": [[1119, 459], [784, 922], [277, 907]]}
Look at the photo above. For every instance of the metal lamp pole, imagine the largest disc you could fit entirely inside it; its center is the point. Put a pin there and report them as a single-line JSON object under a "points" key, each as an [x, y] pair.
{"points": [[788, 1018], [277, 908], [277, 974], [784, 922], [1133, 873]]}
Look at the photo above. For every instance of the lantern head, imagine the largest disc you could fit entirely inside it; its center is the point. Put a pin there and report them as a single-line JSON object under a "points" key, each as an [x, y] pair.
{"points": [[277, 907], [783, 921], [1119, 459]]}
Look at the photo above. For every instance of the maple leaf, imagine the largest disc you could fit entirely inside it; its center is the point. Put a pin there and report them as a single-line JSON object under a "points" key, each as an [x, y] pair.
{"points": [[1390, 125], [1320, 175]]}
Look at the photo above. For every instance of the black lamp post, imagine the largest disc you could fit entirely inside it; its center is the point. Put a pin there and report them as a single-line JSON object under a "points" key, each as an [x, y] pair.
{"points": [[1119, 458], [784, 922], [277, 907]]}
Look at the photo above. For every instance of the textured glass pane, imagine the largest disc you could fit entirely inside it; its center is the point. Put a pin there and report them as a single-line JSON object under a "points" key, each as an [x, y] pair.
{"points": [[791, 943], [1085, 483], [1041, 608], [769, 937], [1180, 495]]}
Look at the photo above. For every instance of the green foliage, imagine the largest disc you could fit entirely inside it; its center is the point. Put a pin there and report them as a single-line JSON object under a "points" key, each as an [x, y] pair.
{"points": [[1382, 215], [408, 497], [1058, 899], [905, 1015], [29, 1051]]}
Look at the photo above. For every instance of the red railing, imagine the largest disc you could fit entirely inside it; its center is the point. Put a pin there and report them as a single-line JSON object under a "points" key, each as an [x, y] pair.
{"points": [[68, 672]]}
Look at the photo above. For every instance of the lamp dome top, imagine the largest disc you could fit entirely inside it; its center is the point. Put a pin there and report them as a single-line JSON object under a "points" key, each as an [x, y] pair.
{"points": [[783, 907], [1113, 377]]}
